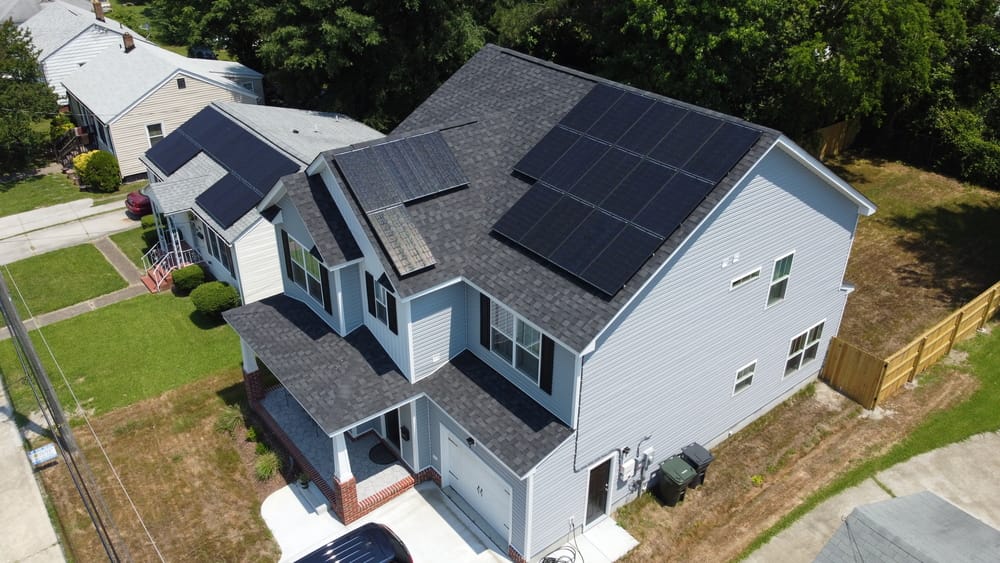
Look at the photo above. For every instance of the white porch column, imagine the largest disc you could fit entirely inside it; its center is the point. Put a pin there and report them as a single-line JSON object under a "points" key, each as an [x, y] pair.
{"points": [[341, 463], [249, 358]]}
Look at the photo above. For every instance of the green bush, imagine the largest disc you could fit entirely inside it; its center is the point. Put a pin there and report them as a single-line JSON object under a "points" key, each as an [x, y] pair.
{"points": [[229, 419], [186, 279], [213, 298], [150, 237], [964, 145], [261, 448], [252, 434], [99, 171], [266, 466], [59, 125], [148, 221]]}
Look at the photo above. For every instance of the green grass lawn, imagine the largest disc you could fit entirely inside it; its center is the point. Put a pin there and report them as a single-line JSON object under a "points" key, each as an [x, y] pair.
{"points": [[60, 278], [978, 414], [133, 244], [124, 353], [43, 191]]}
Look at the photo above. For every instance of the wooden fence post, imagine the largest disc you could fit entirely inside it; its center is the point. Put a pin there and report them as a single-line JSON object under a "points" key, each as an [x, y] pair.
{"points": [[916, 360], [986, 311], [954, 333]]}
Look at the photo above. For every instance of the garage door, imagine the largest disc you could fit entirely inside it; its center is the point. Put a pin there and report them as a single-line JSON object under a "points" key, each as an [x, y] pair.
{"points": [[479, 486]]}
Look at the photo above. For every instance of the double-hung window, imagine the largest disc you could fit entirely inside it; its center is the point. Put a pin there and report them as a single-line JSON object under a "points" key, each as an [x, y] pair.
{"points": [[744, 377], [804, 348], [154, 133], [779, 279], [381, 303], [517, 342], [305, 270]]}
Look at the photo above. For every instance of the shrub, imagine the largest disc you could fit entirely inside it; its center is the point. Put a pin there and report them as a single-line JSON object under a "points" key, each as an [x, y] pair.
{"points": [[260, 448], [59, 125], [99, 171], [252, 434], [213, 298], [266, 466], [188, 278], [150, 237], [229, 419], [148, 221]]}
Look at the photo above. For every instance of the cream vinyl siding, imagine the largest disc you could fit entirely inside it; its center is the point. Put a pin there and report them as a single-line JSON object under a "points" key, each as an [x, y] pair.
{"points": [[67, 59], [169, 106], [257, 262]]}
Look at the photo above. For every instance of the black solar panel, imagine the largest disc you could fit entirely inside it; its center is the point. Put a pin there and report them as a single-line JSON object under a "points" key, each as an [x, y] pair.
{"points": [[588, 110], [401, 240], [227, 200], [685, 139], [545, 152], [620, 260], [602, 178], [626, 111], [636, 189], [526, 212], [651, 127], [726, 147], [172, 152], [615, 177], [574, 163], [672, 204], [373, 187], [555, 226], [587, 241]]}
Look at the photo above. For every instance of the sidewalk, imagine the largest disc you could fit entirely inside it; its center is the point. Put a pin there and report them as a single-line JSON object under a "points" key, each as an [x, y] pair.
{"points": [[964, 474], [59, 226]]}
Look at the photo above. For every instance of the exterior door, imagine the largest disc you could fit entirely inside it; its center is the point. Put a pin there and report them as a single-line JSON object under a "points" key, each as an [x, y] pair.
{"points": [[483, 489], [392, 427], [597, 491]]}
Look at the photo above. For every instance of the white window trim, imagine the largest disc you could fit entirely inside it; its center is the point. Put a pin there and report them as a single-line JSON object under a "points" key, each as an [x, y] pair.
{"points": [[381, 303], [149, 138], [773, 281], [750, 376], [305, 269], [210, 235], [738, 282], [517, 348], [805, 346]]}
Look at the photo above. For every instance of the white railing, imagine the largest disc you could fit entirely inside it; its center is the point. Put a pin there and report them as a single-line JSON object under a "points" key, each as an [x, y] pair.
{"points": [[158, 264]]}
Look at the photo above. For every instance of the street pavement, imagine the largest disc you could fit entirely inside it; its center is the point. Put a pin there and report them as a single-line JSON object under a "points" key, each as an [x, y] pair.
{"points": [[60, 226], [963, 474]]}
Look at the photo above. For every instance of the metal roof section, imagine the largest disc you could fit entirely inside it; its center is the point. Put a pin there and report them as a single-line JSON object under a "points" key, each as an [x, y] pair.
{"points": [[57, 23], [615, 177]]}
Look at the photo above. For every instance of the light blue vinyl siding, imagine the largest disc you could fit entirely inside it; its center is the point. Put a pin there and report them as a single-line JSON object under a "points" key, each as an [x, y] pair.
{"points": [[353, 296], [518, 489], [558, 494], [438, 328], [292, 224], [666, 366], [560, 402], [423, 406]]}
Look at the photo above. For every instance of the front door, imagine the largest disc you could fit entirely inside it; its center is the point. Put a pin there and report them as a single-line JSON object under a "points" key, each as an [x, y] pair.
{"points": [[597, 491], [391, 420]]}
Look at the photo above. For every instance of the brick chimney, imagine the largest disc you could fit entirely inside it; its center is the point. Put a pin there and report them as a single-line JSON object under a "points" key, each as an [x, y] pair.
{"points": [[128, 41], [98, 9]]}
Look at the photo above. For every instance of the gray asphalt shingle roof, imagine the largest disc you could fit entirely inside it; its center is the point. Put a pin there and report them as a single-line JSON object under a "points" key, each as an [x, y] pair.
{"points": [[322, 218], [500, 103], [341, 381]]}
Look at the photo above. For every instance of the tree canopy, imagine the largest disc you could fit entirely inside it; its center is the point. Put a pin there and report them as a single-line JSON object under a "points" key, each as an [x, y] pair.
{"points": [[25, 99]]}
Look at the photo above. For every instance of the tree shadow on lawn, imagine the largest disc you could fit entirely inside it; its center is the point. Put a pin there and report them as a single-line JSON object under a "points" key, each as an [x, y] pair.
{"points": [[958, 244], [206, 322], [839, 166]]}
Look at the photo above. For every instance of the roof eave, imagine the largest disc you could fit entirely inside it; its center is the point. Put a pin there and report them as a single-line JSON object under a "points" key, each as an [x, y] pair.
{"points": [[865, 206]]}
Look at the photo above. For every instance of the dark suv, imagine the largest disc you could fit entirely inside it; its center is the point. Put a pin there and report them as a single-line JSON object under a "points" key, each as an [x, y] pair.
{"points": [[371, 543]]}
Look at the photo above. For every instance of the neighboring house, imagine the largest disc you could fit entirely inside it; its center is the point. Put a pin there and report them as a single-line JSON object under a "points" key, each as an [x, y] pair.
{"points": [[917, 528], [134, 97], [537, 288], [68, 37], [207, 176]]}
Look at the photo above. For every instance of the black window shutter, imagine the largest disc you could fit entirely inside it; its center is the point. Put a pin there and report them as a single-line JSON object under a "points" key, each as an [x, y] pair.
{"points": [[370, 290], [390, 303], [288, 255], [484, 321], [324, 278], [545, 380]]}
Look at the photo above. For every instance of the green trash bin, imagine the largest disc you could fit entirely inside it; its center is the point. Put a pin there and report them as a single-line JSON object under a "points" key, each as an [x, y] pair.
{"points": [[675, 474]]}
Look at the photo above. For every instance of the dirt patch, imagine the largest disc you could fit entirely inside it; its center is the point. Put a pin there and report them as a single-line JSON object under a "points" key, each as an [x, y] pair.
{"points": [[764, 471], [192, 485]]}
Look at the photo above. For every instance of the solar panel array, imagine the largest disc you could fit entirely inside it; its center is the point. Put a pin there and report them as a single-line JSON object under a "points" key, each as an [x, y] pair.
{"points": [[253, 165], [614, 178], [385, 176]]}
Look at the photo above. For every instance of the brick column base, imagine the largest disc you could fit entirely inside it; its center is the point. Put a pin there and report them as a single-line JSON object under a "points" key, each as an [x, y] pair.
{"points": [[515, 556], [345, 495], [254, 384]]}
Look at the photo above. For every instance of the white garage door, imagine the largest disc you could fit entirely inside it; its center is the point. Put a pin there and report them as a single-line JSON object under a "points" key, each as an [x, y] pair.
{"points": [[477, 483]]}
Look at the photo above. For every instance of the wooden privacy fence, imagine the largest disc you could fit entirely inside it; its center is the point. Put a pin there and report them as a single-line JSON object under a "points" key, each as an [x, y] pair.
{"points": [[869, 379]]}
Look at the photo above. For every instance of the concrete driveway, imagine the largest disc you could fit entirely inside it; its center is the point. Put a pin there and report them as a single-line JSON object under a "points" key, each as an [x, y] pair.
{"points": [[962, 473], [59, 226]]}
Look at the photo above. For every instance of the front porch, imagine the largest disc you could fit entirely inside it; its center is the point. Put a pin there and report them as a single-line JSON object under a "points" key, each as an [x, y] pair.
{"points": [[162, 259], [357, 474]]}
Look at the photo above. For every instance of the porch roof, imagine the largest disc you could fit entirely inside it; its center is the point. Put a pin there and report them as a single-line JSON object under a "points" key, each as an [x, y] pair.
{"points": [[341, 381]]}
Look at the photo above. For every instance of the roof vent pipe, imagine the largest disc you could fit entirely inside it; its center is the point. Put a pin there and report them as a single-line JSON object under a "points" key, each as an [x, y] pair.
{"points": [[128, 41], [98, 9]]}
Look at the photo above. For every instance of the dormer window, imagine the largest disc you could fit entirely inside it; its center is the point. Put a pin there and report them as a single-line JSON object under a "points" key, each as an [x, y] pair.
{"points": [[305, 270], [516, 342]]}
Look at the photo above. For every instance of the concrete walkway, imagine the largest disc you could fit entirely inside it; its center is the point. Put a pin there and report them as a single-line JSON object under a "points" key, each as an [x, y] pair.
{"points": [[963, 474], [60, 226], [26, 534]]}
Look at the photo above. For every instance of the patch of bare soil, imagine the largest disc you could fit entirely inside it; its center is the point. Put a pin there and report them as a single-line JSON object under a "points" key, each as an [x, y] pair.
{"points": [[764, 471], [192, 485]]}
